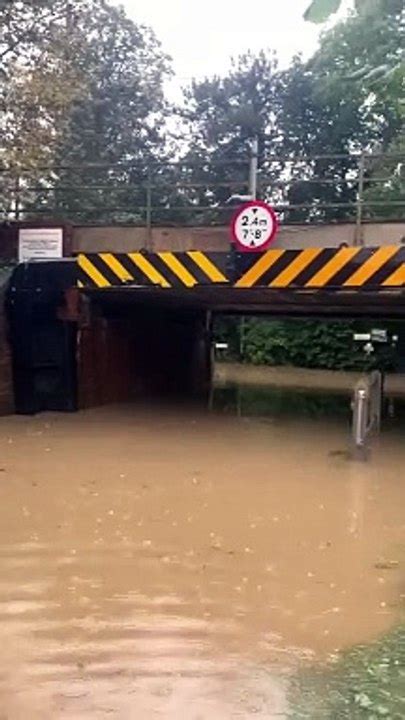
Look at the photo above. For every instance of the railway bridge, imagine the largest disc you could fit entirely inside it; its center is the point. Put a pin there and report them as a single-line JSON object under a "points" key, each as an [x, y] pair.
{"points": [[112, 319]]}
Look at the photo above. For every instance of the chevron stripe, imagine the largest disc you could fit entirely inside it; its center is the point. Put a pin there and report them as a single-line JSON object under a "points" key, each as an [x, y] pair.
{"points": [[146, 267], [303, 259], [253, 275], [310, 268], [212, 272], [97, 279], [116, 266], [177, 267], [367, 269], [331, 268], [397, 278]]}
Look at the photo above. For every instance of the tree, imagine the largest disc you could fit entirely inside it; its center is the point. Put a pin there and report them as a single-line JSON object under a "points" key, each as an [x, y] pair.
{"points": [[32, 81], [222, 116], [321, 10], [322, 127], [362, 58], [25, 24], [118, 120], [366, 51], [333, 105], [370, 44], [292, 115], [37, 87], [87, 88], [384, 194]]}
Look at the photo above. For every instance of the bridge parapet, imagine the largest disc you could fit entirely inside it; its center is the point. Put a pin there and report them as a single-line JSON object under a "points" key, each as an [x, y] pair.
{"points": [[97, 238]]}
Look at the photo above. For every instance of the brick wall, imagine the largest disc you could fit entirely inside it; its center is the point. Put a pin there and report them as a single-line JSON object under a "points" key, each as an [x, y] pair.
{"points": [[6, 378]]}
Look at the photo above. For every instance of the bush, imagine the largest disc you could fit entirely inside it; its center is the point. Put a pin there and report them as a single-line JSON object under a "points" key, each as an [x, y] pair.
{"points": [[366, 684], [302, 343]]}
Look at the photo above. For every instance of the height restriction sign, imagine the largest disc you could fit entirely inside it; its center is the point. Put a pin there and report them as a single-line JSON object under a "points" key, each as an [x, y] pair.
{"points": [[254, 226]]}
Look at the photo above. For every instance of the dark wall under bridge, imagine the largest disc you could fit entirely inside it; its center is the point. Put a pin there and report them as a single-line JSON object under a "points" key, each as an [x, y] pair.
{"points": [[6, 375], [71, 350], [127, 352]]}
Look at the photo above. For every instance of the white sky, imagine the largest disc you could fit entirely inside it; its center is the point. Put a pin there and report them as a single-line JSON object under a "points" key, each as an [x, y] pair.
{"points": [[201, 36]]}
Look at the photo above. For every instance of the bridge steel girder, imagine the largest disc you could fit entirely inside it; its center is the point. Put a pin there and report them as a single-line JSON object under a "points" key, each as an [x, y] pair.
{"points": [[311, 269], [332, 281]]}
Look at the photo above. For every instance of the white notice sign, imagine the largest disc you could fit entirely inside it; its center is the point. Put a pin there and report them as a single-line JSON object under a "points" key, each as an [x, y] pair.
{"points": [[40, 244]]}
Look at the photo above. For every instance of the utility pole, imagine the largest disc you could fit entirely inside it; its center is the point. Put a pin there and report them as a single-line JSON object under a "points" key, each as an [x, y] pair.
{"points": [[358, 239], [253, 168]]}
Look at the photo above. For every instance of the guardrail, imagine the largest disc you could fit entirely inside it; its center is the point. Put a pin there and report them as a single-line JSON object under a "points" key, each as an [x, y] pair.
{"points": [[198, 193], [367, 406]]}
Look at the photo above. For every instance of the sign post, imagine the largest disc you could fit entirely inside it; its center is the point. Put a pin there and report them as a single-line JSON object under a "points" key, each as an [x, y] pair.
{"points": [[254, 226]]}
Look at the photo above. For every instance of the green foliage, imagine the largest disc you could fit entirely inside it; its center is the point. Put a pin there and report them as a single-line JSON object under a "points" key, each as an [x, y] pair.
{"points": [[221, 115], [119, 119], [361, 60], [316, 121], [347, 97], [37, 84], [303, 343], [228, 329], [390, 172], [365, 54], [366, 684], [80, 83], [289, 116]]}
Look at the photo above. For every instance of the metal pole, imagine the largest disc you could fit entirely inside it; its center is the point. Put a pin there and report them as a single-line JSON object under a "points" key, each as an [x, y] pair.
{"points": [[358, 238], [360, 421], [17, 198], [211, 358], [253, 167], [149, 211], [242, 337]]}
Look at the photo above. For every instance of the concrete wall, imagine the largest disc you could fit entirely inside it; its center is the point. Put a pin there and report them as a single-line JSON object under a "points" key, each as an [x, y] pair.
{"points": [[6, 376], [127, 239], [106, 238]]}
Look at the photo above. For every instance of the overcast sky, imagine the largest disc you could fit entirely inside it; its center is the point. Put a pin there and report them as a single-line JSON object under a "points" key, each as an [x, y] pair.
{"points": [[203, 35]]}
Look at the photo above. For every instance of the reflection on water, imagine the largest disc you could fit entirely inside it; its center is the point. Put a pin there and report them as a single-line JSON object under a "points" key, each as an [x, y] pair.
{"points": [[280, 402], [158, 563], [266, 401]]}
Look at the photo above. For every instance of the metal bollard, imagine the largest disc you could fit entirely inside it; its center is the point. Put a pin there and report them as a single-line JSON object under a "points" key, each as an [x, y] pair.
{"points": [[367, 403], [360, 416]]}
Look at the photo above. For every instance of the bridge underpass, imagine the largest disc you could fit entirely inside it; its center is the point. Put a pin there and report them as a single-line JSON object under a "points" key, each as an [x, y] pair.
{"points": [[338, 253], [113, 327]]}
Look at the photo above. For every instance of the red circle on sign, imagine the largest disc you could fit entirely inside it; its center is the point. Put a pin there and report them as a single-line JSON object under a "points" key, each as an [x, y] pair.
{"points": [[254, 218]]}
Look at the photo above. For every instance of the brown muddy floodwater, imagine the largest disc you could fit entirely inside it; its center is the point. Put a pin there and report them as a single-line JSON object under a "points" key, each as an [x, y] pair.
{"points": [[176, 564]]}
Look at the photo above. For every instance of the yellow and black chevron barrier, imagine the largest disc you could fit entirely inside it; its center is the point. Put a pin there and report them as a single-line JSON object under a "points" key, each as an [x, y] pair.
{"points": [[311, 268], [164, 269]]}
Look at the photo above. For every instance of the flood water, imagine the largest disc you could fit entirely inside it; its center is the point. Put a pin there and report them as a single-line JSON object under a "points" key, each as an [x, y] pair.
{"points": [[184, 564]]}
